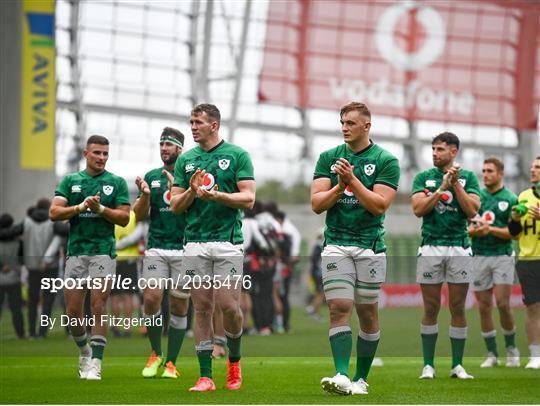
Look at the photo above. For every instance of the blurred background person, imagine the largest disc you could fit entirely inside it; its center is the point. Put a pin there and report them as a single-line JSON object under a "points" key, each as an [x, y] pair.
{"points": [[37, 233], [10, 272], [317, 299]]}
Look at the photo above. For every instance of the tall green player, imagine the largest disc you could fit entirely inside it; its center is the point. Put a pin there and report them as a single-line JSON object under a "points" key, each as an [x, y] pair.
{"points": [[213, 182], [355, 183], [93, 200], [445, 197], [494, 262], [163, 257]]}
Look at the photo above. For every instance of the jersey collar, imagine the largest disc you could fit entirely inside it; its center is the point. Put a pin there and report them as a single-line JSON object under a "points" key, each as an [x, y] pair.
{"points": [[496, 192], [214, 148], [90, 176], [371, 144]]}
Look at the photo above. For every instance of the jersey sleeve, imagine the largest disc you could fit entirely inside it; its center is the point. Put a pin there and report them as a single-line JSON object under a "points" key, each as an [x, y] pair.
{"points": [[473, 186], [389, 174], [245, 168], [322, 168], [123, 195], [418, 183], [62, 190], [180, 174]]}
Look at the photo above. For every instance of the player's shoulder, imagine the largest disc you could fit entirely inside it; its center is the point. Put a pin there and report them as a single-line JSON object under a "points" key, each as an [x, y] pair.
{"points": [[73, 176], [336, 151], [508, 194], [427, 172], [190, 153], [382, 154], [154, 173], [467, 172], [528, 195], [484, 194], [233, 149], [111, 177]]}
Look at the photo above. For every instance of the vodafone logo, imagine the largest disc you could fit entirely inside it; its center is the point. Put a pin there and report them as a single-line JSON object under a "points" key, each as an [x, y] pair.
{"points": [[432, 48], [167, 197], [208, 181], [348, 191], [447, 197], [489, 217]]}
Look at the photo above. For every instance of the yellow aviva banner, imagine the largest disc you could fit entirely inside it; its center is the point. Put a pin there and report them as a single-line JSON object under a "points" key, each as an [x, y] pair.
{"points": [[38, 85]]}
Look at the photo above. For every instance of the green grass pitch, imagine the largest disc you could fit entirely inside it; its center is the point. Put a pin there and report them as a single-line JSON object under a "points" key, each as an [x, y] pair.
{"points": [[282, 369]]}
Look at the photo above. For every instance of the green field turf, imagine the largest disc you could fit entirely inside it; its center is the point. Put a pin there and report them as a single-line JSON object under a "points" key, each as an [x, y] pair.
{"points": [[277, 369]]}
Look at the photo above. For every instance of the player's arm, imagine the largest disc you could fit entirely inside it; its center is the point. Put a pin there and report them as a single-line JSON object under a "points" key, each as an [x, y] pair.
{"points": [[323, 195], [182, 198], [469, 202], [119, 215], [243, 199], [473, 231], [500, 232], [376, 201], [514, 225], [423, 204], [59, 209], [141, 207]]}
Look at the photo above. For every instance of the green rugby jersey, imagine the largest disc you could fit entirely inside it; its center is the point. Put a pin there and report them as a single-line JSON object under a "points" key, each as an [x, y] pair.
{"points": [[446, 224], [89, 233], [225, 164], [347, 222], [495, 209], [166, 228]]}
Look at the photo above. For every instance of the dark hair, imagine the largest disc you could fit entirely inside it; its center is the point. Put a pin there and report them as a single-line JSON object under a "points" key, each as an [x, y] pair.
{"points": [[447, 137], [272, 208], [495, 161], [210, 109], [97, 139], [43, 203], [6, 220], [173, 132], [360, 107]]}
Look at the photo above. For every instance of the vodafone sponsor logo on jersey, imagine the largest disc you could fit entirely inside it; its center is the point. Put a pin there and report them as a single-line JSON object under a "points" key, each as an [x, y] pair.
{"points": [[167, 197], [447, 197], [348, 191], [208, 181], [489, 217]]}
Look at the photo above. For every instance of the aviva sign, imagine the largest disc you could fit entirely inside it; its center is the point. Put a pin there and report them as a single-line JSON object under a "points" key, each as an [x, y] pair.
{"points": [[38, 85]]}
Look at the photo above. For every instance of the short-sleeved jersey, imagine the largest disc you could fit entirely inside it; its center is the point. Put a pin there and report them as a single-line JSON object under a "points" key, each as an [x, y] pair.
{"points": [[348, 223], [226, 165], [89, 233], [446, 224], [166, 228], [529, 239], [496, 210]]}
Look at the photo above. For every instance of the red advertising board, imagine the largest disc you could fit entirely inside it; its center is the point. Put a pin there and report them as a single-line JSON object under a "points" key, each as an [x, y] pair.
{"points": [[462, 61], [409, 295]]}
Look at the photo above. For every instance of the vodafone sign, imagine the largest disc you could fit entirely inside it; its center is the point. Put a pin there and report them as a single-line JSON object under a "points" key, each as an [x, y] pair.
{"points": [[433, 24], [454, 61]]}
